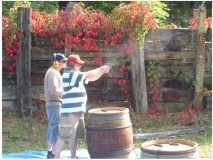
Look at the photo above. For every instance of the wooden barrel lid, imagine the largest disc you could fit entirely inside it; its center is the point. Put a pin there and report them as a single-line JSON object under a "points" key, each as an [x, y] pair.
{"points": [[108, 110], [169, 146]]}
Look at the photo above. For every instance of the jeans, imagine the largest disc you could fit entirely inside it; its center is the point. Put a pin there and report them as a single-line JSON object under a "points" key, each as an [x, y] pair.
{"points": [[53, 122]]}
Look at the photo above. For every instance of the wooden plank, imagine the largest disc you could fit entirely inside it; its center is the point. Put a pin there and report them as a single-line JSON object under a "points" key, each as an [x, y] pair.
{"points": [[39, 66], [8, 104], [178, 62], [23, 64], [170, 72], [169, 55], [160, 40], [8, 92], [175, 95], [168, 134], [43, 53]]}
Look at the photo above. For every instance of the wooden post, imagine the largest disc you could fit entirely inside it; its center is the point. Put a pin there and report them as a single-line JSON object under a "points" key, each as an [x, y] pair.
{"points": [[23, 64], [200, 15], [69, 9], [139, 79]]}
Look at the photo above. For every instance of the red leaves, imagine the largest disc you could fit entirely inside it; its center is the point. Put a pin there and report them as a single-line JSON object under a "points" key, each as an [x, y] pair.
{"points": [[98, 59], [123, 83], [153, 112], [136, 17], [154, 92], [194, 108], [72, 41], [10, 69], [187, 114], [150, 22], [144, 9], [193, 22], [39, 102], [11, 44], [208, 22], [90, 44], [119, 81], [115, 38], [79, 20], [39, 110], [79, 29], [139, 9], [129, 51], [150, 110], [122, 68], [57, 42], [91, 34]]}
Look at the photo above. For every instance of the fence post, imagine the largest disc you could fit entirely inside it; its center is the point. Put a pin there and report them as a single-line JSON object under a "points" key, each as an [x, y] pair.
{"points": [[139, 79], [200, 15], [69, 8], [23, 64]]}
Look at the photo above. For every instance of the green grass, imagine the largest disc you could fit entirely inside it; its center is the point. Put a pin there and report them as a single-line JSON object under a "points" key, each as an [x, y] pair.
{"points": [[20, 135], [204, 139], [146, 124]]}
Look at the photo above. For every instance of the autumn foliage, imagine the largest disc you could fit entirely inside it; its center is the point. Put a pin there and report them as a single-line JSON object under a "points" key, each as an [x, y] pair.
{"points": [[86, 29]]}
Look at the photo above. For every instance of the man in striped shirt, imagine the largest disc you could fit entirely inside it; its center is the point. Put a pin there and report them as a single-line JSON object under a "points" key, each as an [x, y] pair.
{"points": [[74, 100]]}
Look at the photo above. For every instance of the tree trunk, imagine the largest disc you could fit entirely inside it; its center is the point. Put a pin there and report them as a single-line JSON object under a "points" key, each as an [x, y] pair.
{"points": [[139, 79], [23, 65]]}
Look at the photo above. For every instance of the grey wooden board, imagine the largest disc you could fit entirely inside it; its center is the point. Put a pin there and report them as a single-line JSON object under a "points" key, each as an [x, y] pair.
{"points": [[169, 40], [167, 134]]}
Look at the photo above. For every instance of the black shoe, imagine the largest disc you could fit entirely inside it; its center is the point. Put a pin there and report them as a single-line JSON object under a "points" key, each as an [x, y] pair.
{"points": [[50, 155]]}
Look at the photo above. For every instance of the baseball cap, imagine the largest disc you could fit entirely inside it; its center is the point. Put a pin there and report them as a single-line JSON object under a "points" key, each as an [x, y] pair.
{"points": [[58, 57], [75, 58]]}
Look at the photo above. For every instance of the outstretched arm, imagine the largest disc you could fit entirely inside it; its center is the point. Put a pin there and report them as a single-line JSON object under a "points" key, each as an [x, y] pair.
{"points": [[95, 74]]}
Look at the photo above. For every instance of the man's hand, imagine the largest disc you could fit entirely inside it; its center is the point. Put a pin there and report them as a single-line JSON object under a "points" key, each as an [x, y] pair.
{"points": [[106, 68]]}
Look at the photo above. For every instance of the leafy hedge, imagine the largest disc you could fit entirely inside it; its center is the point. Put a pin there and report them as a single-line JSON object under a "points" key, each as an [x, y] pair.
{"points": [[47, 6]]}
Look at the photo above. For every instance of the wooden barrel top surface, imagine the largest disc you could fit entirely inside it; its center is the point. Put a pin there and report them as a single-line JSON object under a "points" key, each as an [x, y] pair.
{"points": [[169, 146], [108, 110]]}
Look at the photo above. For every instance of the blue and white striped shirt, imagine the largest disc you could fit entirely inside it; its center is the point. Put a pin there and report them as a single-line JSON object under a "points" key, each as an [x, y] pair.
{"points": [[74, 97]]}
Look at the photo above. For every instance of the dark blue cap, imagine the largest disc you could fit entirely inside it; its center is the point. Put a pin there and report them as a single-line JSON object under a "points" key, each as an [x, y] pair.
{"points": [[58, 57]]}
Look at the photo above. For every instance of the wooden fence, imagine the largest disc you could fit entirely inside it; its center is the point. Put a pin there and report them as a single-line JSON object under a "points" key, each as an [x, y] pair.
{"points": [[173, 49]]}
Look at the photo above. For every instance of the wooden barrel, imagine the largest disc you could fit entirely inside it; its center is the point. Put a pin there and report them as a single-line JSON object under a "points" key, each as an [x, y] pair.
{"points": [[169, 149], [109, 133]]}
